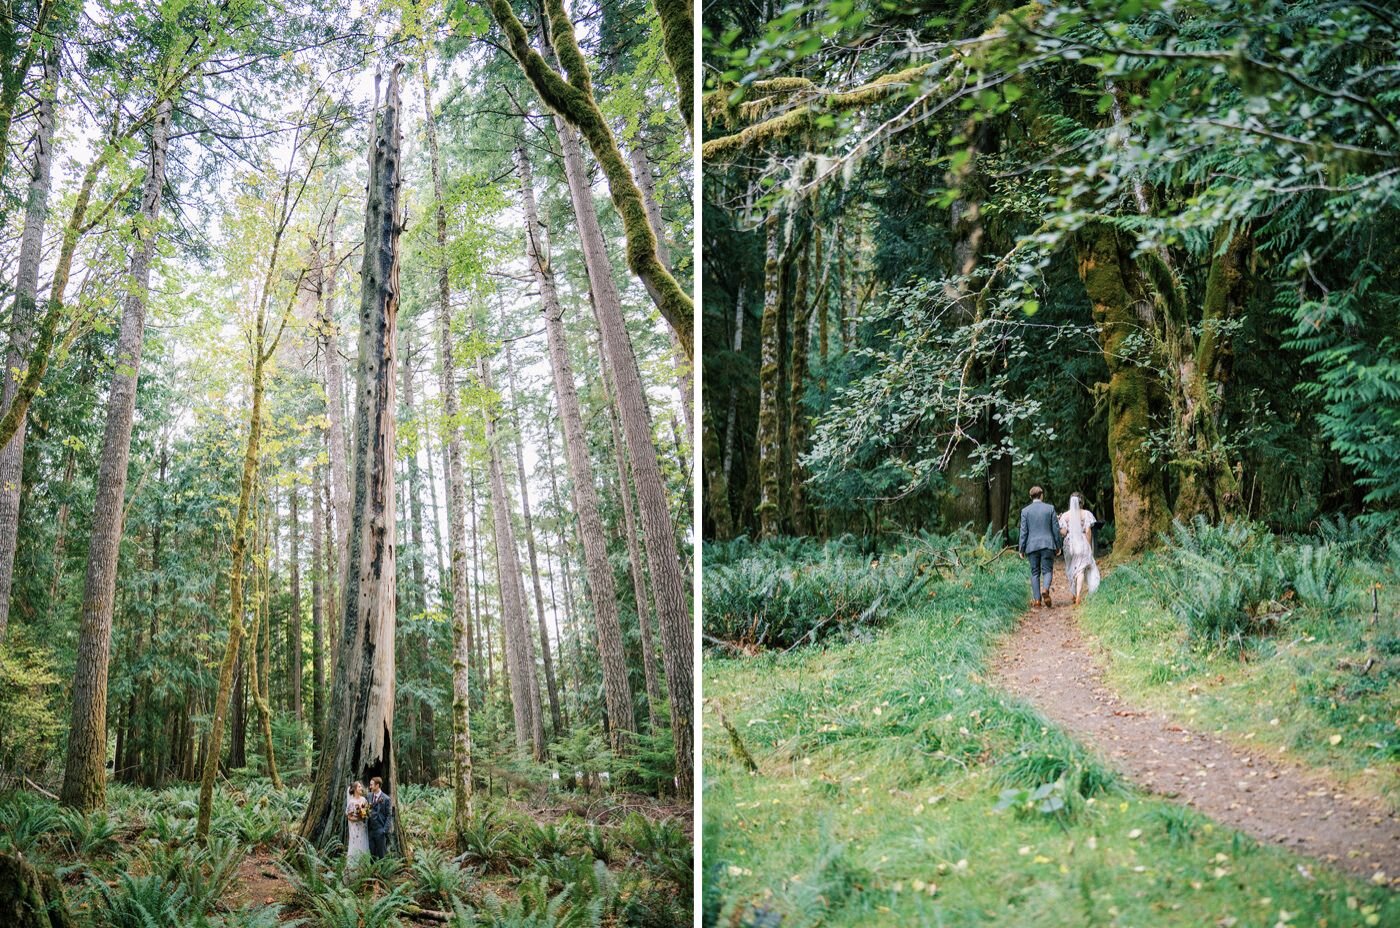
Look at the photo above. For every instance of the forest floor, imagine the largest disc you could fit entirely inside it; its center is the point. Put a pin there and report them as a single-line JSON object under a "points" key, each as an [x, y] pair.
{"points": [[624, 857], [1049, 662], [909, 787]]}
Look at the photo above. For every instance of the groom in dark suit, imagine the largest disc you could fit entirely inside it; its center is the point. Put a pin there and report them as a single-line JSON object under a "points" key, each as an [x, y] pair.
{"points": [[381, 819], [1040, 542]]}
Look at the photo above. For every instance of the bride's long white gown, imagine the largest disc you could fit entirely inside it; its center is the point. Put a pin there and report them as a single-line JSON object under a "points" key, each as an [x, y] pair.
{"points": [[358, 841], [1080, 567]]}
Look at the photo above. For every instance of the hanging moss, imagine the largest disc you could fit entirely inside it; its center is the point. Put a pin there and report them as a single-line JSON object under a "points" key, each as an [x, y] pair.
{"points": [[573, 100], [801, 119]]}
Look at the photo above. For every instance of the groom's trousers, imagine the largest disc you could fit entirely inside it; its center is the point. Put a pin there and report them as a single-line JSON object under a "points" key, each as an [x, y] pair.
{"points": [[1042, 570]]}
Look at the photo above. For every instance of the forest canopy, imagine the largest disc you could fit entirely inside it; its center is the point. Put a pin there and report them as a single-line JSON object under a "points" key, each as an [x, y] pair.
{"points": [[345, 434], [1145, 251]]}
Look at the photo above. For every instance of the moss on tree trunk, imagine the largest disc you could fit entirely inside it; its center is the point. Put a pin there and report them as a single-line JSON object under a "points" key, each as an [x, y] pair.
{"points": [[1116, 289]]}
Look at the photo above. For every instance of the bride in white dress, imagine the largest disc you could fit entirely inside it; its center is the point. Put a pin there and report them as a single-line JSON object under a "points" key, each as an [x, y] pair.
{"points": [[358, 841], [1077, 527]]}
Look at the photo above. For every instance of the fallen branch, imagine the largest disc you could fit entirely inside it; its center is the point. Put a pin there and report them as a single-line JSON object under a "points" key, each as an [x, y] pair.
{"points": [[40, 790], [736, 742]]}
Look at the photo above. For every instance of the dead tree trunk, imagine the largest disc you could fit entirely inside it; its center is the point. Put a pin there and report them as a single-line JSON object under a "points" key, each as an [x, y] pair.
{"points": [[84, 774], [360, 745]]}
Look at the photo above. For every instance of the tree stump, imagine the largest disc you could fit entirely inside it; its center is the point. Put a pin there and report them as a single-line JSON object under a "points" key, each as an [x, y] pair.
{"points": [[30, 898]]}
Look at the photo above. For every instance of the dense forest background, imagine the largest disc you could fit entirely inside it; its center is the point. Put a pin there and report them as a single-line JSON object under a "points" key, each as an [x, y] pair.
{"points": [[347, 414], [1142, 250]]}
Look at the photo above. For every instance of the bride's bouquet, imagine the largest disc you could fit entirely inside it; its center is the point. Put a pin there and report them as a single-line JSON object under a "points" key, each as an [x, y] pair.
{"points": [[362, 812]]}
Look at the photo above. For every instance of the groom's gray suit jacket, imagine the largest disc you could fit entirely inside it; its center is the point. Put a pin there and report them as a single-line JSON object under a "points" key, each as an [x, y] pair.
{"points": [[1040, 528]]}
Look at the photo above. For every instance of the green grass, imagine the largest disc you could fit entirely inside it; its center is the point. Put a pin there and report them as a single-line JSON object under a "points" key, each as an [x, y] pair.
{"points": [[882, 766], [1297, 692]]}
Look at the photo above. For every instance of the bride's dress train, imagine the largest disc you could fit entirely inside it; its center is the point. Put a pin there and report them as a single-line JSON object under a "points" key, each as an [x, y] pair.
{"points": [[1080, 567]]}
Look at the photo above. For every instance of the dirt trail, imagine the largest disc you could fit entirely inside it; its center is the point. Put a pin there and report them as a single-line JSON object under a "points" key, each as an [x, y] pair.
{"points": [[1048, 662]]}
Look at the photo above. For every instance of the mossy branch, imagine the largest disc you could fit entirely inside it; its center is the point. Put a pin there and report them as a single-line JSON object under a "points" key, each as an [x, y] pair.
{"points": [[573, 100]]}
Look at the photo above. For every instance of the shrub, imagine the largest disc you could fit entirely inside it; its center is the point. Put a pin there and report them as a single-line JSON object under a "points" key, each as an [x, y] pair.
{"points": [[782, 592]]}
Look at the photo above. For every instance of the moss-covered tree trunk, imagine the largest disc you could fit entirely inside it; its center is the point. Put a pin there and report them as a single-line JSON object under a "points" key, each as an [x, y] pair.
{"points": [[30, 898], [318, 616], [770, 441], [573, 100], [798, 364], [1120, 298], [1208, 484], [360, 736]]}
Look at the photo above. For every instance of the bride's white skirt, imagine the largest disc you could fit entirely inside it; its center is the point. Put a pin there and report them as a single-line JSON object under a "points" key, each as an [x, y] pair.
{"points": [[358, 842], [1081, 568]]}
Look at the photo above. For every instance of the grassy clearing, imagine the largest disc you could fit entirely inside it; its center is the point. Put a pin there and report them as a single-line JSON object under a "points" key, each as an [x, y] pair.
{"points": [[136, 865], [883, 764], [1296, 682]]}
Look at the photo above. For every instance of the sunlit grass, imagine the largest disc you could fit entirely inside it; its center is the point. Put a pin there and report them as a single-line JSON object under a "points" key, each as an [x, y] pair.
{"points": [[1303, 692], [883, 762]]}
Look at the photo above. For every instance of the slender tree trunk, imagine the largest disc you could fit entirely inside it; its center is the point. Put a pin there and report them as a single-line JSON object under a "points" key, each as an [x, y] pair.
{"points": [[663, 559], [434, 516], [84, 775], [60, 538], [428, 769], [295, 656], [551, 688], [360, 745], [333, 370], [524, 688], [560, 534], [318, 621], [770, 437], [797, 384], [617, 692], [634, 559], [238, 717], [31, 245], [452, 472], [258, 675]]}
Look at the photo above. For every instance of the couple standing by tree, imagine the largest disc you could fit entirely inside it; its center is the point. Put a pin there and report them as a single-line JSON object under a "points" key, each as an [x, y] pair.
{"points": [[371, 818], [1044, 534]]}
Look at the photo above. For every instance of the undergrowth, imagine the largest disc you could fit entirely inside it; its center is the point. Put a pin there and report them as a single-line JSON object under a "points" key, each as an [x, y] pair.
{"points": [[1306, 661], [897, 785]]}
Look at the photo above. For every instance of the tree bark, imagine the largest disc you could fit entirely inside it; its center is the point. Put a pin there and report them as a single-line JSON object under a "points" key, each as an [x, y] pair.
{"points": [[663, 559], [1116, 289], [360, 745], [84, 775], [573, 101], [318, 621], [456, 498], [617, 692], [295, 656], [31, 246], [798, 357], [770, 431], [551, 688], [520, 652]]}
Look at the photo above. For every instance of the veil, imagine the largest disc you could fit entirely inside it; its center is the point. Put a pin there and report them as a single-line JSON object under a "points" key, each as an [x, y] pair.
{"points": [[1076, 516]]}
